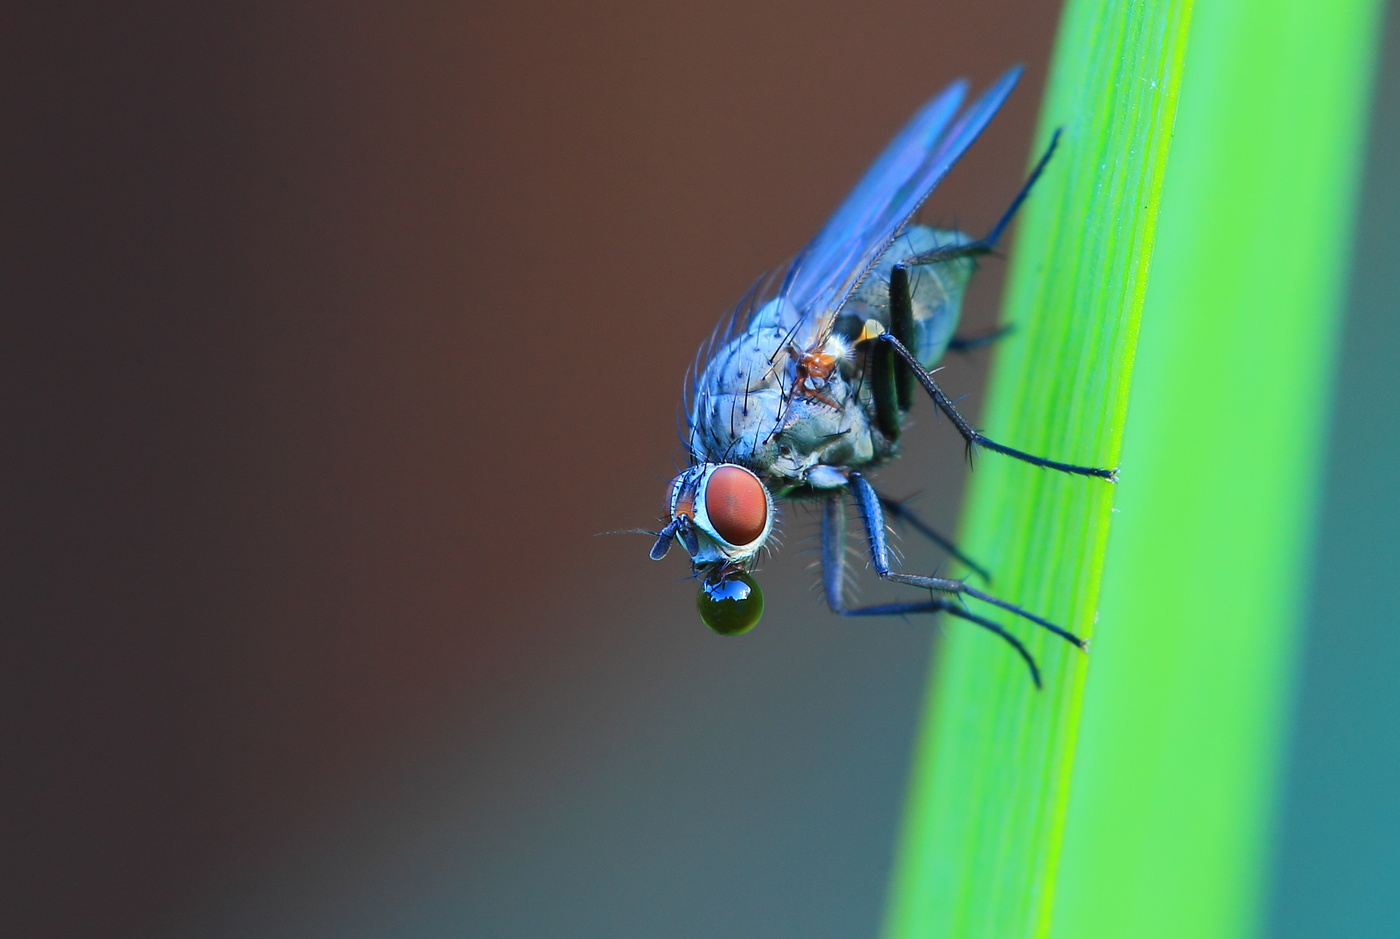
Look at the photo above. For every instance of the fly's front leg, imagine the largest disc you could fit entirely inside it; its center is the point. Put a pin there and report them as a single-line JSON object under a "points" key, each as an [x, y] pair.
{"points": [[869, 502], [901, 513], [873, 517], [834, 584]]}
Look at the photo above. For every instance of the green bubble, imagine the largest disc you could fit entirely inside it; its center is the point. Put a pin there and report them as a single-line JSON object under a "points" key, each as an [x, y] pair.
{"points": [[731, 603]]}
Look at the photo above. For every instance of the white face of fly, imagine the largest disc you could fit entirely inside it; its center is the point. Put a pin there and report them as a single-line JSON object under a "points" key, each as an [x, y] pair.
{"points": [[721, 512]]}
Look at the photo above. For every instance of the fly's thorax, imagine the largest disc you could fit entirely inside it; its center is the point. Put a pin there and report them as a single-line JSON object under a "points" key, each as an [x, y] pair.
{"points": [[825, 422], [753, 359], [736, 426], [937, 292], [798, 410], [738, 398], [727, 507]]}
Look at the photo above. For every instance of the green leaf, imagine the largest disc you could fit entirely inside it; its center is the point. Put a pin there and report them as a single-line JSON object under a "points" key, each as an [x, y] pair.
{"points": [[1218, 428]]}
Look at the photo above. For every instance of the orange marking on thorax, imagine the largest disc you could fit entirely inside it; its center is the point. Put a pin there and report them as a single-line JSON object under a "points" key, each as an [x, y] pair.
{"points": [[814, 371]]}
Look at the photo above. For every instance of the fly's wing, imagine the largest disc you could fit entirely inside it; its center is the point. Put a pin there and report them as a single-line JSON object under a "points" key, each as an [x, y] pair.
{"points": [[834, 262], [816, 283]]}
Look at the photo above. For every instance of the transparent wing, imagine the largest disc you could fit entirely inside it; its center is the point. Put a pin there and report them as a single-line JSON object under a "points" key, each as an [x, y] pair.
{"points": [[817, 282], [834, 262]]}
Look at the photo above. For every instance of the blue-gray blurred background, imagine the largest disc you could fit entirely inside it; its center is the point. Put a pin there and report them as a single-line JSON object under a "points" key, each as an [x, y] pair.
{"points": [[1338, 854], [335, 333]]}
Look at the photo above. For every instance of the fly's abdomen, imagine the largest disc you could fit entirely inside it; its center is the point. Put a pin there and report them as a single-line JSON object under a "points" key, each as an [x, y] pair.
{"points": [[937, 291]]}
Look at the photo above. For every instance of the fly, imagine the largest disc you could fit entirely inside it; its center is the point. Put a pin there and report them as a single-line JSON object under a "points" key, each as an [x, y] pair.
{"points": [[803, 389]]}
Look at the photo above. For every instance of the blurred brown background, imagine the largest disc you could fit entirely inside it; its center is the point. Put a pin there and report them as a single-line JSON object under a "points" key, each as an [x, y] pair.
{"points": [[334, 333]]}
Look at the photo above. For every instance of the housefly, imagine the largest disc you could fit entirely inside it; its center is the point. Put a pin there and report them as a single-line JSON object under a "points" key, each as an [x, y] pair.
{"points": [[803, 388]]}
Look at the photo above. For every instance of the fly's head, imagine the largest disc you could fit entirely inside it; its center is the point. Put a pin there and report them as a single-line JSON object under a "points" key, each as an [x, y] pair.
{"points": [[722, 514]]}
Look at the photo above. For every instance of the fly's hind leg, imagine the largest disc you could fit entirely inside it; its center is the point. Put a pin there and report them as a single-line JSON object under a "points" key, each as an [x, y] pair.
{"points": [[892, 388], [970, 343], [899, 277], [987, 244], [901, 306]]}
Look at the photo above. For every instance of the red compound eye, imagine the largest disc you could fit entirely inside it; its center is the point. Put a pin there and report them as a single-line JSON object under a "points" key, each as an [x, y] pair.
{"points": [[737, 505]]}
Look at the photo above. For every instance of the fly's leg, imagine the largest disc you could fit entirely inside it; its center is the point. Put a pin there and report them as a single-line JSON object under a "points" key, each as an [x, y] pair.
{"points": [[834, 575], [901, 312], [899, 512], [869, 502], [892, 388], [973, 437], [987, 243], [969, 343]]}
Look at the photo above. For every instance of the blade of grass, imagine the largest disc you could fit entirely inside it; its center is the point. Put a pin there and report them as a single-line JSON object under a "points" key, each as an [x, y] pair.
{"points": [[1205, 579], [1184, 711], [990, 786]]}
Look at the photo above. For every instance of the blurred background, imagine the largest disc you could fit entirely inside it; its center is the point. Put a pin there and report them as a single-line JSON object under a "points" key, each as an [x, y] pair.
{"points": [[335, 334]]}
